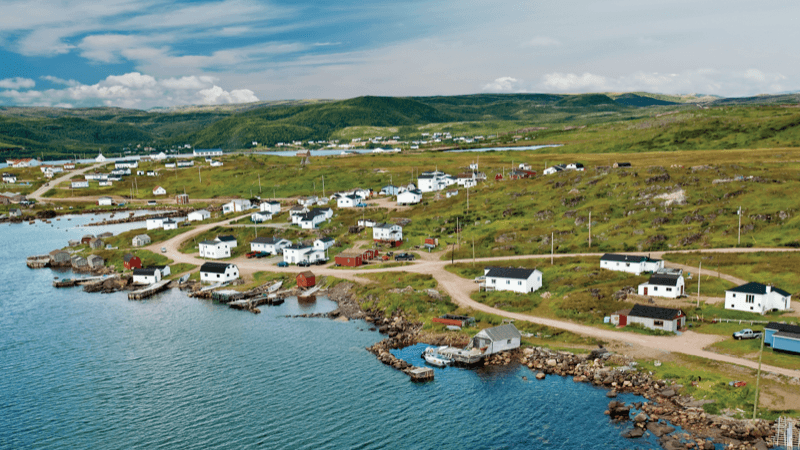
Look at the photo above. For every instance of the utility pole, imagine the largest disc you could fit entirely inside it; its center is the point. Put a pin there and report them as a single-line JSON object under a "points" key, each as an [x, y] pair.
{"points": [[259, 184], [590, 229], [552, 247], [273, 192], [758, 377], [199, 177], [473, 250], [467, 199], [699, 274], [323, 185], [739, 213]]}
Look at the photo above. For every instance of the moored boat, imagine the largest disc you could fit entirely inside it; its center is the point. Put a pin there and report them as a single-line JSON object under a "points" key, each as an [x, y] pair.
{"points": [[433, 357]]}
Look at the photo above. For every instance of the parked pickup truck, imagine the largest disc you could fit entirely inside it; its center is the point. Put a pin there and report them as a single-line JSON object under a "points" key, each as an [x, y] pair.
{"points": [[403, 257], [747, 333]]}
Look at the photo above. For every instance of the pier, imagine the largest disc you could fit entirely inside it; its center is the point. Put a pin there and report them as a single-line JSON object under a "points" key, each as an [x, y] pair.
{"points": [[72, 282], [462, 357], [420, 374], [252, 305], [38, 262], [149, 291]]}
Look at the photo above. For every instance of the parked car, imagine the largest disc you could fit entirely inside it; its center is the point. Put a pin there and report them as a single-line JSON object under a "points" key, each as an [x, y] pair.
{"points": [[404, 257], [163, 249], [262, 255], [283, 264], [321, 262], [251, 254], [304, 264], [747, 333]]}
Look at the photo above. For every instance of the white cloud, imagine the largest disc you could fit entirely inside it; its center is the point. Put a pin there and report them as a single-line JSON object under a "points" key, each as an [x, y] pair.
{"points": [[56, 80], [503, 84], [569, 82], [16, 83], [133, 90]]}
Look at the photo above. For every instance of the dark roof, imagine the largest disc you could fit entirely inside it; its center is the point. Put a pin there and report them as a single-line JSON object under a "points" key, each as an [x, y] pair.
{"points": [[298, 246], [757, 288], [622, 258], [787, 335], [783, 327], [210, 242], [624, 164], [266, 240], [654, 312], [226, 238], [326, 239], [156, 267], [663, 279], [578, 165], [150, 271], [509, 272], [214, 267]]}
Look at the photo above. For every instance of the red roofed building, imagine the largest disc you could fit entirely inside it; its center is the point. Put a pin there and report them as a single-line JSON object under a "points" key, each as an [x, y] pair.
{"points": [[306, 279]]}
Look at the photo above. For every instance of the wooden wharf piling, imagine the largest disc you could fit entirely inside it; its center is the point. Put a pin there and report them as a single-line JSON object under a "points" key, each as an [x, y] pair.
{"points": [[148, 291]]}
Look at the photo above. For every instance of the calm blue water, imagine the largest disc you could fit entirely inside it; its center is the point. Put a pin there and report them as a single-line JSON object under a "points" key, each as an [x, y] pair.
{"points": [[98, 371]]}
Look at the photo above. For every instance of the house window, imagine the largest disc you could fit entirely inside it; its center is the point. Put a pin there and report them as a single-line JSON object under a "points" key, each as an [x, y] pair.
{"points": [[508, 281], [669, 289], [658, 323], [750, 298], [627, 264], [217, 275], [655, 288], [519, 283], [509, 341], [734, 296]]}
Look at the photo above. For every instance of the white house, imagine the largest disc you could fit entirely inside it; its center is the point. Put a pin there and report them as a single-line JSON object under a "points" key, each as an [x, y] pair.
{"points": [[387, 232], [324, 243], [497, 339], [212, 272], [80, 184], [258, 217], [434, 181], [554, 169], [654, 317], [296, 212], [467, 180], [199, 215], [575, 166], [273, 245], [149, 275], [165, 270], [630, 263], [216, 164], [140, 240], [158, 190], [296, 253], [409, 197], [757, 298], [105, 201], [308, 201], [348, 201], [664, 283], [390, 190], [154, 223], [170, 224], [270, 206], [207, 152], [512, 279], [169, 165], [100, 158], [21, 163], [126, 164], [238, 205], [218, 248], [369, 223], [314, 218], [9, 178]]}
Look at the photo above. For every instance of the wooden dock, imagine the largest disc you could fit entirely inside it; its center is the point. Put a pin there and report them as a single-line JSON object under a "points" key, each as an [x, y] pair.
{"points": [[462, 357], [149, 291], [72, 282], [420, 374], [253, 303]]}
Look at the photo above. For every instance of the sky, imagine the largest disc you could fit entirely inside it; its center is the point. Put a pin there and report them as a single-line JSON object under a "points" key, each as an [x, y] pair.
{"points": [[145, 54]]}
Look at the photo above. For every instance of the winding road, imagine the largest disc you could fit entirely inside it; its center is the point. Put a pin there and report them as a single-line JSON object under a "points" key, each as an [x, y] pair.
{"points": [[460, 289]]}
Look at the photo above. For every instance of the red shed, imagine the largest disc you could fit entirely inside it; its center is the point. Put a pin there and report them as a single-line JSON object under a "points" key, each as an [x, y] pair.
{"points": [[306, 279], [498, 177], [349, 259], [86, 239], [132, 261], [370, 253]]}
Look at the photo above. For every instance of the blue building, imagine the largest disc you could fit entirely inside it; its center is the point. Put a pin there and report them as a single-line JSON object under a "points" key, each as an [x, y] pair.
{"points": [[782, 337]]}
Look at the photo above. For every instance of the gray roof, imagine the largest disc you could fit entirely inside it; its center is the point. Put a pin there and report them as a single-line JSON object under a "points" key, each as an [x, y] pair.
{"points": [[757, 288], [786, 334], [654, 312], [210, 242], [510, 272], [507, 331], [663, 279], [266, 240]]}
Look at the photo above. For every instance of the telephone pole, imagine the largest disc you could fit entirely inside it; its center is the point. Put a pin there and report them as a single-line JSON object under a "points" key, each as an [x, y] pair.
{"points": [[739, 238], [590, 229], [552, 247], [758, 377], [699, 274]]}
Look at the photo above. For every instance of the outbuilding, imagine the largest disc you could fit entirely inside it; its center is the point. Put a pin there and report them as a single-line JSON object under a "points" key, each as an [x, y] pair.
{"points": [[199, 215], [497, 339], [140, 240], [656, 318], [149, 275], [273, 245], [105, 201], [774, 328], [349, 259], [306, 279], [155, 223], [270, 206], [634, 264], [95, 261], [410, 197], [59, 258], [213, 272], [131, 261], [158, 190]]}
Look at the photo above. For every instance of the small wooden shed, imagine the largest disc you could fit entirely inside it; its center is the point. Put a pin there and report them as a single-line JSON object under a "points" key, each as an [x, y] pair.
{"points": [[86, 239], [131, 261], [306, 279], [349, 259], [95, 261]]}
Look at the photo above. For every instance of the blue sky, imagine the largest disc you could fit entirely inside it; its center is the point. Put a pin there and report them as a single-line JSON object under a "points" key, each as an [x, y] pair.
{"points": [[154, 53]]}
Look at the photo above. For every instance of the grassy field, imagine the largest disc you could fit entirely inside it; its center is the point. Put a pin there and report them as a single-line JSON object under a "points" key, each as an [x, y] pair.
{"points": [[777, 269]]}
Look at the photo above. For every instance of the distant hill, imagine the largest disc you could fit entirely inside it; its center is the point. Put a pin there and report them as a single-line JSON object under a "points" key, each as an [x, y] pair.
{"points": [[58, 131]]}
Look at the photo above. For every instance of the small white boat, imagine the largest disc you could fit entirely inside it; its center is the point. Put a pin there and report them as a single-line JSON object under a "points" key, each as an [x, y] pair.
{"points": [[433, 357], [275, 286]]}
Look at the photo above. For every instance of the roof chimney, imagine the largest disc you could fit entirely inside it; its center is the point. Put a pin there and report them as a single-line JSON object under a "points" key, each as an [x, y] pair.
{"points": [[769, 289]]}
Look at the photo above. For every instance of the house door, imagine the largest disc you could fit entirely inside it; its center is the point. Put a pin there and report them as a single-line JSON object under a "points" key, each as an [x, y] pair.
{"points": [[623, 320], [681, 291], [645, 290]]}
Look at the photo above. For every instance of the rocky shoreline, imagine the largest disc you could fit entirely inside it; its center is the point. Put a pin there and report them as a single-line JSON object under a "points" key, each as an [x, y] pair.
{"points": [[665, 409]]}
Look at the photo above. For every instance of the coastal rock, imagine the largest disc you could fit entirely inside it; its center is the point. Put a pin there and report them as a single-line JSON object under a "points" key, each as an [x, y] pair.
{"points": [[611, 394], [540, 375], [633, 433], [668, 393], [641, 418], [659, 429]]}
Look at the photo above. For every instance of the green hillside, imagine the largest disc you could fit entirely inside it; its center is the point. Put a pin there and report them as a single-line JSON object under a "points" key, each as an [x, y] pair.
{"points": [[588, 122]]}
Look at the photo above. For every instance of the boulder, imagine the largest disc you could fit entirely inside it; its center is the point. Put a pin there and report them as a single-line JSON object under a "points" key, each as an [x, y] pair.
{"points": [[611, 394], [641, 418], [540, 375], [633, 433], [668, 393], [659, 429]]}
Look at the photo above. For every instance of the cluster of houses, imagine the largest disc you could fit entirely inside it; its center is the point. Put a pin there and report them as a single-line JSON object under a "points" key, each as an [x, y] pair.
{"points": [[563, 168], [669, 283]]}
